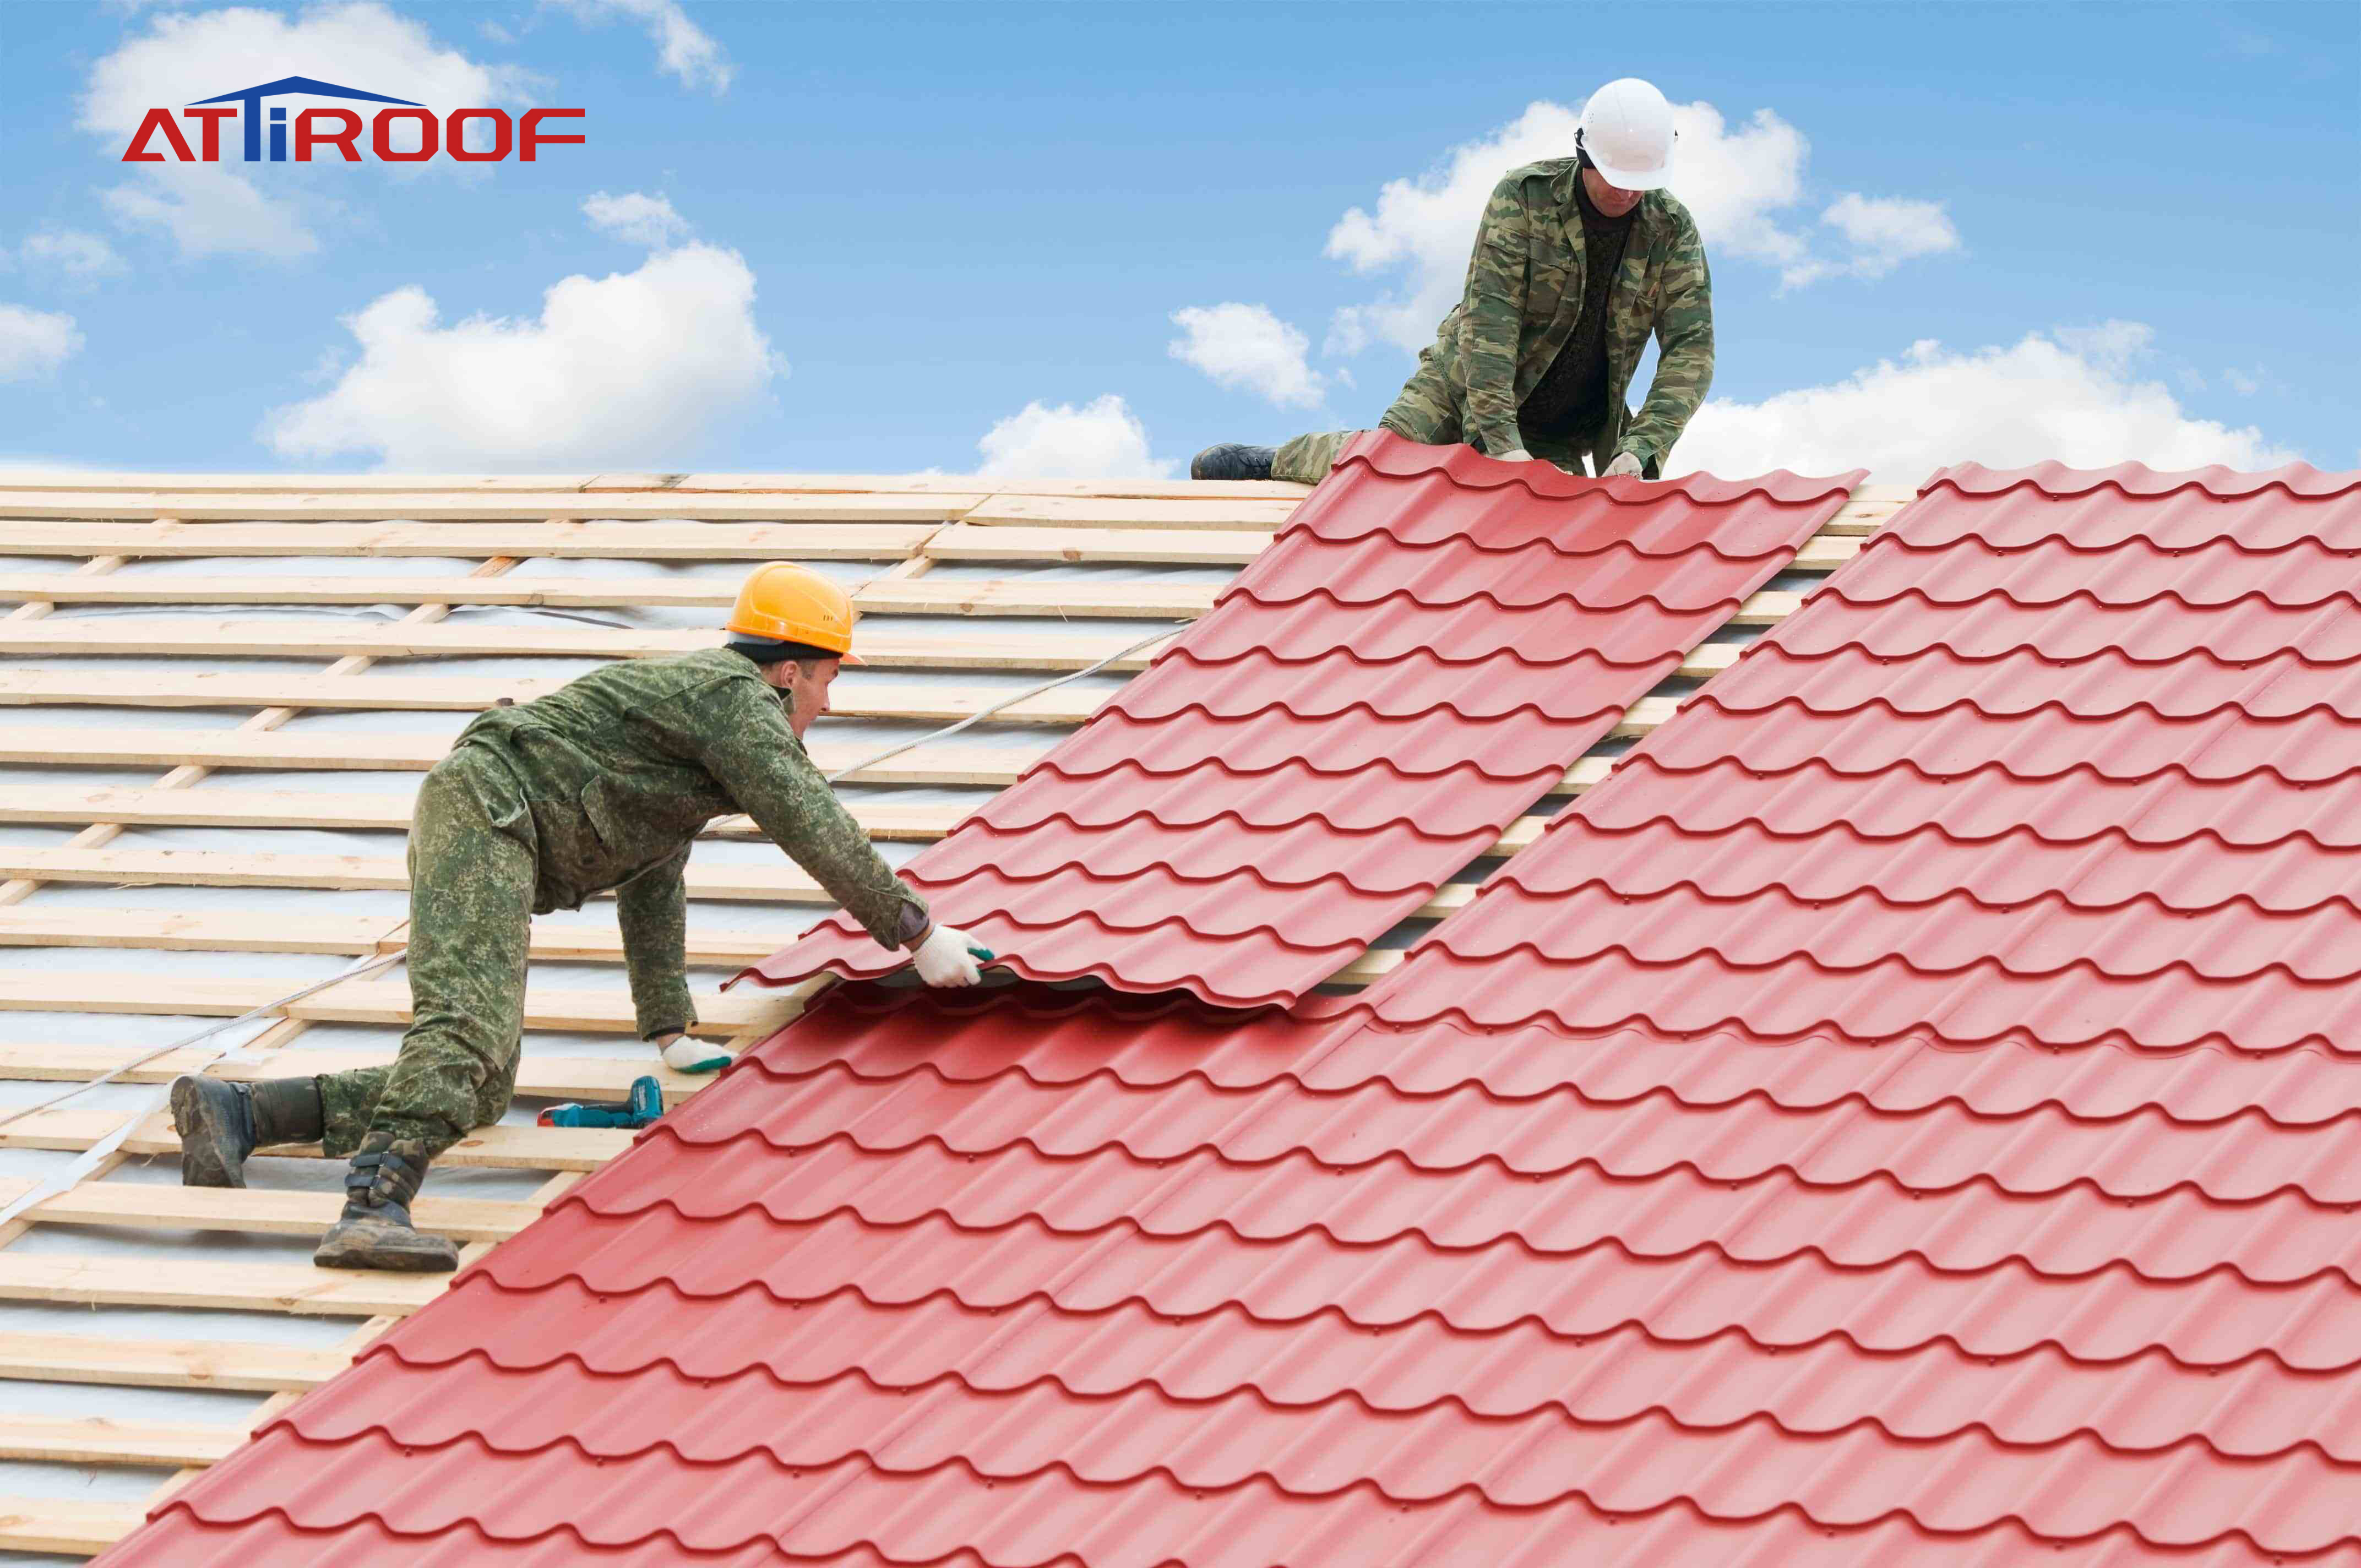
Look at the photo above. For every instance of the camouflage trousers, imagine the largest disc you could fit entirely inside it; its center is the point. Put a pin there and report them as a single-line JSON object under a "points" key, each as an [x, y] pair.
{"points": [[471, 894], [1425, 411]]}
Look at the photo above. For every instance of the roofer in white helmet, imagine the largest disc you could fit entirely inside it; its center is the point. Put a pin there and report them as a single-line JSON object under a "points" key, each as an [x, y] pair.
{"points": [[1576, 260]]}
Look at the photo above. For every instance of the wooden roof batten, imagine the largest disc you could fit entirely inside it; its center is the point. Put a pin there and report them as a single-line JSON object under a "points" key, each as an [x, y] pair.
{"points": [[900, 527]]}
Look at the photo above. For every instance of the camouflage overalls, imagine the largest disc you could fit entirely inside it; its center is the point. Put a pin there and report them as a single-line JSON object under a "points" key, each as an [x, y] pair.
{"points": [[603, 784], [1523, 300]]}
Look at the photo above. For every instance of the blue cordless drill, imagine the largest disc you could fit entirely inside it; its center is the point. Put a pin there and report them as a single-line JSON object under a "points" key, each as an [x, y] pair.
{"points": [[645, 1106]]}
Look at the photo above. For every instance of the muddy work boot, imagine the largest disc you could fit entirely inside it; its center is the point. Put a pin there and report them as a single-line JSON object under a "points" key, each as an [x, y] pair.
{"points": [[374, 1231], [221, 1122], [1232, 460]]}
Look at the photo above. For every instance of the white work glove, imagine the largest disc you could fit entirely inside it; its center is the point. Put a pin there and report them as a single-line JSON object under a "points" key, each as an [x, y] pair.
{"points": [[1626, 466], [1517, 455], [948, 957], [682, 1054]]}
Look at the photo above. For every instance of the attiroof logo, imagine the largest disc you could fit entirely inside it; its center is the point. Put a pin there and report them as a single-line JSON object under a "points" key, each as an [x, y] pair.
{"points": [[420, 133]]}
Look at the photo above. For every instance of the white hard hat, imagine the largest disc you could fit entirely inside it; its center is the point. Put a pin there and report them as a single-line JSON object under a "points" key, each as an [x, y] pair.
{"points": [[1627, 128]]}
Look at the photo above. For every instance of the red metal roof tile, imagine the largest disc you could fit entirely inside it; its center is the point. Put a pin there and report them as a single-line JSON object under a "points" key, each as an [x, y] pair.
{"points": [[982, 1381], [1456, 1534], [1917, 1127], [1428, 645]]}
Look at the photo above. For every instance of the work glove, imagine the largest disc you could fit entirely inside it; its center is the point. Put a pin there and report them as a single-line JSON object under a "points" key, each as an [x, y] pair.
{"points": [[682, 1054], [1516, 455], [1626, 466], [950, 957]]}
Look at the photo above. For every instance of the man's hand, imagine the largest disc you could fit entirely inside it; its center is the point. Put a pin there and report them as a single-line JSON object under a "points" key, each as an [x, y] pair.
{"points": [[1517, 455], [1626, 466], [683, 1054], [949, 957]]}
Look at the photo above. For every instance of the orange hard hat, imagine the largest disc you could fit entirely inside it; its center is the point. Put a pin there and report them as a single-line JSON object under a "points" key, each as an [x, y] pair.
{"points": [[794, 604]]}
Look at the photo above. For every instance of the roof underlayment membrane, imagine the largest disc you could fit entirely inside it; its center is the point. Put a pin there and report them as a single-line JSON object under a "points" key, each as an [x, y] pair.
{"points": [[1906, 1114]]}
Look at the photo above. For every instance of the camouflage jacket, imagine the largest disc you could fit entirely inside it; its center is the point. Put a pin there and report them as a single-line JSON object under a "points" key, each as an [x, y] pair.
{"points": [[1524, 297], [620, 770]]}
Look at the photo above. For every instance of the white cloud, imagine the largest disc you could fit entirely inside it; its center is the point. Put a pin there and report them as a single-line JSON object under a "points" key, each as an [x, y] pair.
{"points": [[636, 218], [630, 369], [1735, 183], [1100, 439], [683, 49], [1247, 347], [2243, 384], [214, 209], [1740, 184], [33, 343], [71, 256], [208, 210], [2073, 395], [1882, 233]]}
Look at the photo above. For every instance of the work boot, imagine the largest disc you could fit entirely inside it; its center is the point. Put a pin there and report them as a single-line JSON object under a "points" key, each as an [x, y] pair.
{"points": [[375, 1231], [1232, 460], [221, 1122]]}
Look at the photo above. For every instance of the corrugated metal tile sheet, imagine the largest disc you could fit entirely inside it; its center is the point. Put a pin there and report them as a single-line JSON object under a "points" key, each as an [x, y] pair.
{"points": [[2061, 760], [1433, 640], [1882, 1132]]}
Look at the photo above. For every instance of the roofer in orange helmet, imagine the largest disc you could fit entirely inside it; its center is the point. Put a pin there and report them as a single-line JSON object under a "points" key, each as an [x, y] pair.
{"points": [[600, 786]]}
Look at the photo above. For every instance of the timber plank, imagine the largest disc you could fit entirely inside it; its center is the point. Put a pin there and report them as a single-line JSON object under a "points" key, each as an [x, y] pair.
{"points": [[861, 699], [852, 699], [90, 1440], [161, 930], [170, 931], [1767, 606], [564, 541], [233, 1364], [107, 484], [202, 807], [1079, 546], [319, 751], [1112, 511], [1212, 547], [585, 593], [997, 596], [1587, 773], [66, 1526], [538, 1077], [1368, 968], [999, 485], [433, 508], [141, 636], [67, 1130], [781, 883], [350, 1001], [260, 932], [1145, 600], [301, 1288], [212, 868], [1870, 508], [256, 1211]]}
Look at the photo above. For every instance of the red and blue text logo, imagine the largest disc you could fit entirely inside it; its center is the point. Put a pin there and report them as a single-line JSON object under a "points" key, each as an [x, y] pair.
{"points": [[404, 132]]}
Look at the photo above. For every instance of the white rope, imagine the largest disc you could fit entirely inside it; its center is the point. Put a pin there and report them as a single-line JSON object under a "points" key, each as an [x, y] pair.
{"points": [[1010, 701]]}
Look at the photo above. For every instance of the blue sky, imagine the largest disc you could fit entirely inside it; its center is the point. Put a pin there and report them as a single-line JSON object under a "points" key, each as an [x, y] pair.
{"points": [[946, 214]]}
